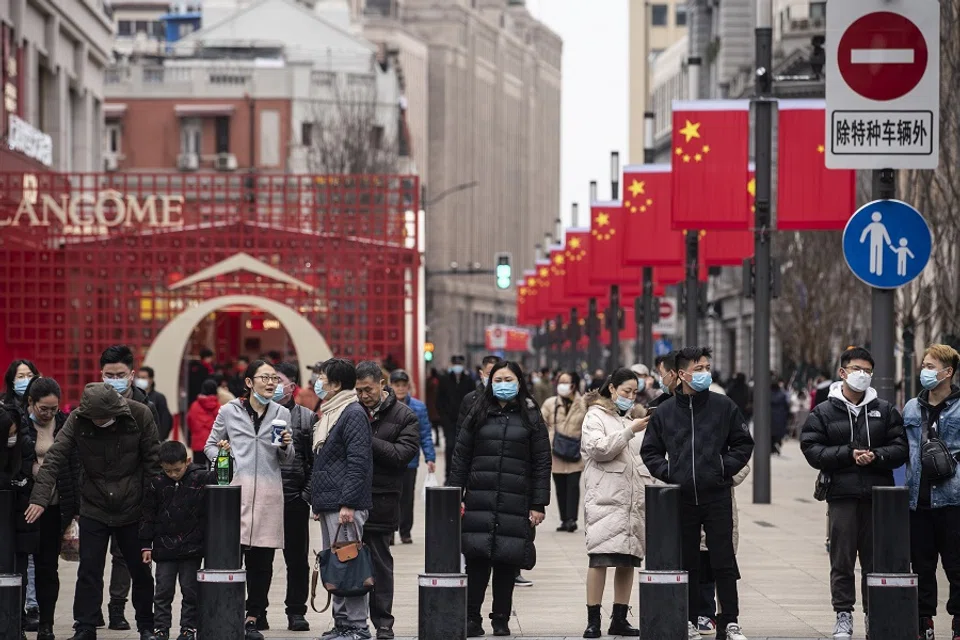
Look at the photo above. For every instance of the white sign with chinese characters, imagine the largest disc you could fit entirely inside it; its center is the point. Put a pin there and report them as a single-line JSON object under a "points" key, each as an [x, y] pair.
{"points": [[883, 84], [30, 141]]}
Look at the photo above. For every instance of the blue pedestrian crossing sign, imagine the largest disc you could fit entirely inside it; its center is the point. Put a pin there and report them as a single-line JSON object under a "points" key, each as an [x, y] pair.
{"points": [[887, 243]]}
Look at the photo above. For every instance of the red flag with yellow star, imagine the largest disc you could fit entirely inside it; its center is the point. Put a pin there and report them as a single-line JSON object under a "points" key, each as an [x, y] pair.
{"points": [[669, 276], [649, 240], [523, 311], [810, 196], [607, 228], [729, 248], [709, 160], [558, 281], [578, 264], [548, 305]]}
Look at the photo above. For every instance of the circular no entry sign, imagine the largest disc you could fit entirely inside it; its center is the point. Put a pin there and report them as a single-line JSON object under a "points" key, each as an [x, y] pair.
{"points": [[882, 56]]}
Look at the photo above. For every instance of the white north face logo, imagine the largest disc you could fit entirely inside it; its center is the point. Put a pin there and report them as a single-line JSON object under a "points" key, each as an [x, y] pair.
{"points": [[873, 414]]}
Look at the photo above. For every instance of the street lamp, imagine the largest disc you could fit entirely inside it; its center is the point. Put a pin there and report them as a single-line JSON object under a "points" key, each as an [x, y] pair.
{"points": [[614, 175], [443, 194], [574, 214], [593, 191]]}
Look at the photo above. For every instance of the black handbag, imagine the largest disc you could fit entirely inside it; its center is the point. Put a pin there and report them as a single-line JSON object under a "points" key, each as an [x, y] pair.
{"points": [[564, 447], [935, 458], [345, 569], [822, 488]]}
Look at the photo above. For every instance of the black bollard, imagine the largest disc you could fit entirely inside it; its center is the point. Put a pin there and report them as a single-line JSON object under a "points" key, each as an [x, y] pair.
{"points": [[222, 544], [10, 583], [221, 604], [443, 588], [663, 582], [891, 588]]}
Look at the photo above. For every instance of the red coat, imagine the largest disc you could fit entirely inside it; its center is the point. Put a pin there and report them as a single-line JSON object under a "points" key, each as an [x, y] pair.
{"points": [[200, 419]]}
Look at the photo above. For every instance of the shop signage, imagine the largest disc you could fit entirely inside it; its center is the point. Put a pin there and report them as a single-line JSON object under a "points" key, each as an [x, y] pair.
{"points": [[30, 141]]}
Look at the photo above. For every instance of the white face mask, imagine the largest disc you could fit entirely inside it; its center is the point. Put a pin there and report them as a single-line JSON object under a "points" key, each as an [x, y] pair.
{"points": [[859, 381], [564, 390], [142, 383], [11, 442]]}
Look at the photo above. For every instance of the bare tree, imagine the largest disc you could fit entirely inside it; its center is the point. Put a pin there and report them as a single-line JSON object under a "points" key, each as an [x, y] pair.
{"points": [[348, 136]]}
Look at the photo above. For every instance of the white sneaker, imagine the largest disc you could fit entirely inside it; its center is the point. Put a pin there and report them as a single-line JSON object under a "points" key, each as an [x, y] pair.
{"points": [[843, 629], [706, 626], [692, 633], [734, 632]]}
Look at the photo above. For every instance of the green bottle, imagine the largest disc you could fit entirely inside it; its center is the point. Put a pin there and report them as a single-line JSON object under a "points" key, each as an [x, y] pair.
{"points": [[224, 466]]}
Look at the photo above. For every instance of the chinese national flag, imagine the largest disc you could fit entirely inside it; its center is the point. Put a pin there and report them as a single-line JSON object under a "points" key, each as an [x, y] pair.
{"points": [[709, 159], [523, 313], [810, 197], [649, 241], [607, 227], [729, 248], [548, 303], [577, 266], [558, 292], [533, 298]]}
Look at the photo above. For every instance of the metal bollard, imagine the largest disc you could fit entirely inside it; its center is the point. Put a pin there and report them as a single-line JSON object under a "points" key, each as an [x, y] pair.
{"points": [[663, 582], [11, 586], [443, 588], [891, 588], [222, 583]]}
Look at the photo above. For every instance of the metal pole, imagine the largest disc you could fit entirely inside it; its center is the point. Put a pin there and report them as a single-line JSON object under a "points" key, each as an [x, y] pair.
{"points": [[639, 343], [443, 587], [909, 351], [574, 339], [763, 104], [614, 175], [664, 586], [613, 317], [692, 306], [650, 312], [883, 336], [593, 334], [561, 338], [593, 191], [891, 587], [11, 586]]}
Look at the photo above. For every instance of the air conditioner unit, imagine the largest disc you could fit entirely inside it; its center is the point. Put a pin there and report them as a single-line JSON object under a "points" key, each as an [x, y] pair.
{"points": [[226, 162], [188, 162], [111, 162]]}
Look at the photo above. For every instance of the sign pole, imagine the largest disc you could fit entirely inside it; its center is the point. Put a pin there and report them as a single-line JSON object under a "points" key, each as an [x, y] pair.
{"points": [[883, 336], [691, 293]]}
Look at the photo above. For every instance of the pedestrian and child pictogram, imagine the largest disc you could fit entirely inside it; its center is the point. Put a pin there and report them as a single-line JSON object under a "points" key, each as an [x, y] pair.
{"points": [[887, 243]]}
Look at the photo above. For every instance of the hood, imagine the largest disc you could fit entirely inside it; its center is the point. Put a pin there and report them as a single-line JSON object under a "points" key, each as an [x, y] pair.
{"points": [[594, 399], [100, 401], [924, 397], [836, 392], [210, 404]]}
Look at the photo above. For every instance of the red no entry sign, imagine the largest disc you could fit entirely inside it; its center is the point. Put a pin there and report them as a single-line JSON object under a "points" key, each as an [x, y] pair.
{"points": [[882, 56], [666, 309]]}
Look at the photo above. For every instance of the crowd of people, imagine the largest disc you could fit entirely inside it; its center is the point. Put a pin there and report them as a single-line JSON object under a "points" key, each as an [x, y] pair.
{"points": [[106, 475]]}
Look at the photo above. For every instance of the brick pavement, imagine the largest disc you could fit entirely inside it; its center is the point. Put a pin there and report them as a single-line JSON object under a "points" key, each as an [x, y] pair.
{"points": [[784, 592]]}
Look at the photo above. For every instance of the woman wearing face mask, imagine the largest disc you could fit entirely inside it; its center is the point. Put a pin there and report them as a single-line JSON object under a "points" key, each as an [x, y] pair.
{"points": [[502, 463], [244, 427], [563, 414], [39, 428], [614, 481], [18, 377]]}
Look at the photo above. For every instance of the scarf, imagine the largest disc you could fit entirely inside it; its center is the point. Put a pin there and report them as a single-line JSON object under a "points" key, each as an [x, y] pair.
{"points": [[330, 412]]}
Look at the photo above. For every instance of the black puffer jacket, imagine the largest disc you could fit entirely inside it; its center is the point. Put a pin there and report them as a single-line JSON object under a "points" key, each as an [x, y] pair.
{"points": [[68, 478], [832, 432], [396, 441], [343, 466], [172, 519], [706, 440], [296, 471], [502, 461]]}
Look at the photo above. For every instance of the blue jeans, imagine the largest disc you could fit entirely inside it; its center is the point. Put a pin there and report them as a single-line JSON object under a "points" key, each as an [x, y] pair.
{"points": [[31, 586]]}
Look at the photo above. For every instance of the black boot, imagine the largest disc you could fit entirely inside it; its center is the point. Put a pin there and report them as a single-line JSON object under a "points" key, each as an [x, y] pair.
{"points": [[474, 626], [45, 631], [115, 612], [31, 619], [593, 622], [500, 625], [619, 625]]}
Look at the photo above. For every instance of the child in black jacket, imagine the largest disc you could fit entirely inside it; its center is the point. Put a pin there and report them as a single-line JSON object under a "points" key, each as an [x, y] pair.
{"points": [[172, 532]]}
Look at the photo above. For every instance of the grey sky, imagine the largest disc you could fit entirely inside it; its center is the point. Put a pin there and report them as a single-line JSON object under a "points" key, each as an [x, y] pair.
{"points": [[595, 90]]}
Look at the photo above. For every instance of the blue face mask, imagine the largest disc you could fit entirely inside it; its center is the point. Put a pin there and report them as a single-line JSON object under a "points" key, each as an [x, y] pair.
{"points": [[701, 381], [624, 404], [319, 390], [261, 399], [278, 393], [120, 385], [506, 390], [33, 417], [664, 387], [928, 378], [20, 386], [457, 369]]}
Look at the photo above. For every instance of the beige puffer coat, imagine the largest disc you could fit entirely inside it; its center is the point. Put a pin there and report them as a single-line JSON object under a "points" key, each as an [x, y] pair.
{"points": [[567, 423], [737, 481], [614, 479]]}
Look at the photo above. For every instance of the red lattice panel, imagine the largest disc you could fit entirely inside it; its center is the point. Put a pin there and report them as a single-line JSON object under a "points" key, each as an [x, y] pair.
{"points": [[86, 259]]}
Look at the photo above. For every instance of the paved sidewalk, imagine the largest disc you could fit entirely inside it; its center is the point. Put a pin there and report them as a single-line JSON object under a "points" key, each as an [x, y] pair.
{"points": [[784, 592]]}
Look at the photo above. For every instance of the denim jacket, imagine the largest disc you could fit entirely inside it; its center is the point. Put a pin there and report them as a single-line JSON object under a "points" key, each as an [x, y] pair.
{"points": [[946, 493]]}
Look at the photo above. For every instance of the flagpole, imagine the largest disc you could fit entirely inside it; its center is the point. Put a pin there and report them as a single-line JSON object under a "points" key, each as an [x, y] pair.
{"points": [[593, 322], [692, 306], [650, 310], [613, 317], [764, 105]]}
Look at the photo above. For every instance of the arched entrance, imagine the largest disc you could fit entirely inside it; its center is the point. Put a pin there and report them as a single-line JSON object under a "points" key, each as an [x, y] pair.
{"points": [[166, 353]]}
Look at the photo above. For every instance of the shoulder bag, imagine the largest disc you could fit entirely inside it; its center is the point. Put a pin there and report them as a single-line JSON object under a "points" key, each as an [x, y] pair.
{"points": [[935, 458], [564, 447], [345, 569]]}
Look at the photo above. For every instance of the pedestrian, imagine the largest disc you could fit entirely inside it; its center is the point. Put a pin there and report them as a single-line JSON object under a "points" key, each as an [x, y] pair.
{"points": [[111, 495], [934, 501], [779, 414], [614, 480], [395, 443], [400, 383], [200, 418], [707, 441], [342, 479], [307, 398], [14, 475], [667, 368], [224, 395], [39, 427], [454, 387], [295, 473], [236, 383], [856, 440], [145, 382], [542, 386], [172, 535], [563, 414], [243, 427], [502, 464]]}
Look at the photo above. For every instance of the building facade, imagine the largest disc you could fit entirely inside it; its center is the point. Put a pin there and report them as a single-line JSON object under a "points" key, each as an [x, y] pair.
{"points": [[53, 61]]}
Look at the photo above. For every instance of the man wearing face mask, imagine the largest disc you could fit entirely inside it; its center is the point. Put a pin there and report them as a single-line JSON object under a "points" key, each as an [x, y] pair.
{"points": [[145, 382], [454, 387], [707, 442], [667, 368], [856, 440], [117, 446]]}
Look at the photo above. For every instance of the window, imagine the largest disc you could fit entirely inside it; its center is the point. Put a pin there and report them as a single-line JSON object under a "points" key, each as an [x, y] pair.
{"points": [[141, 26], [159, 30], [818, 10], [659, 14], [191, 135], [124, 28], [376, 137], [221, 126], [306, 134], [681, 15], [112, 138]]}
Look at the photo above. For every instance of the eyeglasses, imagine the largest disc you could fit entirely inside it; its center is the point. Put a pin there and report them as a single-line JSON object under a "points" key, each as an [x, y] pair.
{"points": [[854, 368], [267, 378]]}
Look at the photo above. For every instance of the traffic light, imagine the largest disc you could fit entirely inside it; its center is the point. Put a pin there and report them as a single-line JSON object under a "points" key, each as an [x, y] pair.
{"points": [[428, 351], [503, 271]]}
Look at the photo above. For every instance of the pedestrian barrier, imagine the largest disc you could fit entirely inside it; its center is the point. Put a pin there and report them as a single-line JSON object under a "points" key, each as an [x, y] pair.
{"points": [[663, 582], [891, 588], [443, 587], [10, 583], [222, 582]]}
